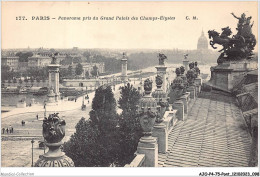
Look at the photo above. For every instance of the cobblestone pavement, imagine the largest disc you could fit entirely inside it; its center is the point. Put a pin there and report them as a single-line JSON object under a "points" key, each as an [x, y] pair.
{"points": [[214, 134]]}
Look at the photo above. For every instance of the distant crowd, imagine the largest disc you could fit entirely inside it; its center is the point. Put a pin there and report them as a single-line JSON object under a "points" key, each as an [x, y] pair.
{"points": [[8, 130]]}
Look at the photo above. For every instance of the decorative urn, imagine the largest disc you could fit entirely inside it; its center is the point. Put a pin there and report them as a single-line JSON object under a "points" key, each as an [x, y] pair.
{"points": [[184, 78], [191, 75], [161, 99], [177, 84], [53, 133], [147, 109]]}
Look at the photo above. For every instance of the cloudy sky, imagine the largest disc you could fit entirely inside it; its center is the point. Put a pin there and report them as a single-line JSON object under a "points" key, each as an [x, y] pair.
{"points": [[179, 33]]}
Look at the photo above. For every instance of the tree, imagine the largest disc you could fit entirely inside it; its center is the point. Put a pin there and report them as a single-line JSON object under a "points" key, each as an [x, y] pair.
{"points": [[129, 125], [20, 81], [94, 72], [26, 80], [79, 69], [87, 74], [95, 140], [5, 72], [70, 73]]}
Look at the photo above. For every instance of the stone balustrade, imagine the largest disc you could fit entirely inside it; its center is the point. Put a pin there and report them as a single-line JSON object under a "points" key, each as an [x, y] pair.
{"points": [[161, 131], [138, 161]]}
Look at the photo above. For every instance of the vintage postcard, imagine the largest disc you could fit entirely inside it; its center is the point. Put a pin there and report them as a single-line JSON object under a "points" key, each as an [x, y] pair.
{"points": [[129, 84]]}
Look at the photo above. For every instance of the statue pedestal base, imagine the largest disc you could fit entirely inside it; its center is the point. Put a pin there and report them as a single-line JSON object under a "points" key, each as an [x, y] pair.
{"points": [[198, 82], [186, 65], [148, 145], [185, 101], [178, 105], [226, 75], [192, 91], [160, 131]]}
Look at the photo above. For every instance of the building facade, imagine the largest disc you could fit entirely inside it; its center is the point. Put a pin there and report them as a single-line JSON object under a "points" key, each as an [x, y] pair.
{"points": [[39, 61]]}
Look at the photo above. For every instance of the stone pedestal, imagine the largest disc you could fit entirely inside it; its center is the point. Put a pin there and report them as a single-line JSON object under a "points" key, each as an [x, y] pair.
{"points": [[124, 69], [161, 71], [226, 75], [160, 131], [185, 101], [186, 65], [178, 105], [188, 96], [148, 145], [192, 90], [198, 82]]}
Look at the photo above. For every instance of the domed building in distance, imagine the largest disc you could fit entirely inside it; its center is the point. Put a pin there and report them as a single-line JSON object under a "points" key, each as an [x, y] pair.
{"points": [[202, 42]]}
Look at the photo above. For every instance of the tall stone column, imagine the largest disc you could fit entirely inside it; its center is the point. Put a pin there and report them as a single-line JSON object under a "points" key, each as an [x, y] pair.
{"points": [[124, 68], [186, 63], [54, 79], [161, 70]]}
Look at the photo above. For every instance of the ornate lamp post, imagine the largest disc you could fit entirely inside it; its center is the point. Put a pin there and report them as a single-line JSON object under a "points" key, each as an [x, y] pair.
{"points": [[53, 133], [32, 150]]}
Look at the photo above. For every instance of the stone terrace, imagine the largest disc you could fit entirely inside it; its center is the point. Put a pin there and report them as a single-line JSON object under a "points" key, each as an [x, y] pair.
{"points": [[213, 134]]}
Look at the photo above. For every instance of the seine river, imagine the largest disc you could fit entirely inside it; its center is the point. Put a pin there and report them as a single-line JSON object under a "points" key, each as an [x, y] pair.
{"points": [[12, 99]]}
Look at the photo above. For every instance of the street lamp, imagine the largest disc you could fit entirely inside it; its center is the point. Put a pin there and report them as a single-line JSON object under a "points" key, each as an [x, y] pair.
{"points": [[32, 150]]}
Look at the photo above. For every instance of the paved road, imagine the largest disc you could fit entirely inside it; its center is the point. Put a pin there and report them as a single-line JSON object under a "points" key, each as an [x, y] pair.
{"points": [[213, 135]]}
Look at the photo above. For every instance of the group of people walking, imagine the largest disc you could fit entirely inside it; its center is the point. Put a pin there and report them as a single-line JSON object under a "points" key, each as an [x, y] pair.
{"points": [[8, 130]]}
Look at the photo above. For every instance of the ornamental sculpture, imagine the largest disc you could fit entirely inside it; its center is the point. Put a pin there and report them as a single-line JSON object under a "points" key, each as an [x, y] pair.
{"points": [[177, 85], [191, 74], [148, 110], [184, 78], [53, 133], [161, 57], [53, 128], [148, 86], [161, 99], [54, 59], [197, 69], [240, 45]]}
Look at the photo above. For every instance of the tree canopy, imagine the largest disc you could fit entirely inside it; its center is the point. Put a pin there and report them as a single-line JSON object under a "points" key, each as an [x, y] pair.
{"points": [[79, 69], [95, 141]]}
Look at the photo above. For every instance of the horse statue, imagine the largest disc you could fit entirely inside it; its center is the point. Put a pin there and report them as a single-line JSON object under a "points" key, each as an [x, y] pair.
{"points": [[224, 39]]}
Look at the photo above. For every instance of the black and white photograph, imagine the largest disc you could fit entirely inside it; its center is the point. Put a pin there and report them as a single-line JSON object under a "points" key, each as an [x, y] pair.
{"points": [[129, 84]]}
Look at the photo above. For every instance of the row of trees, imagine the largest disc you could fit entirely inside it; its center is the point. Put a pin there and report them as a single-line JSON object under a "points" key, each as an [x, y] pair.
{"points": [[32, 72], [107, 138]]}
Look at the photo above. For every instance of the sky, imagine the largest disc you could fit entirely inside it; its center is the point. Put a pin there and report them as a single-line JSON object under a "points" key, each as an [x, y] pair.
{"points": [[130, 34]]}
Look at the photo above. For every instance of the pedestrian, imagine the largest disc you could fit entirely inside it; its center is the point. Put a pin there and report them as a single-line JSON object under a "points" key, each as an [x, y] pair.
{"points": [[37, 117], [44, 106], [12, 130], [88, 101], [6, 130], [3, 129]]}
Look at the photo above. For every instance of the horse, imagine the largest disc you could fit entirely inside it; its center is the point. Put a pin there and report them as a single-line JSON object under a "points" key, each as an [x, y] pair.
{"points": [[226, 42]]}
